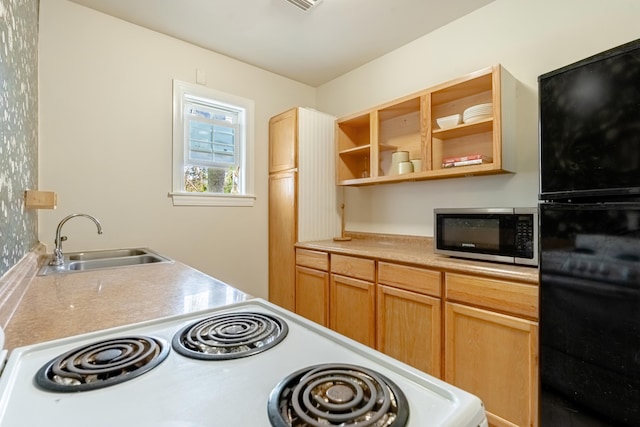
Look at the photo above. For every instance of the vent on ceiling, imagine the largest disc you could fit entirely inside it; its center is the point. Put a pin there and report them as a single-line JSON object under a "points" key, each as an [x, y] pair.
{"points": [[305, 4]]}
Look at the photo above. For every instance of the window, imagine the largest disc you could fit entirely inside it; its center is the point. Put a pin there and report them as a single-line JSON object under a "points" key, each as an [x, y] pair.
{"points": [[212, 147]]}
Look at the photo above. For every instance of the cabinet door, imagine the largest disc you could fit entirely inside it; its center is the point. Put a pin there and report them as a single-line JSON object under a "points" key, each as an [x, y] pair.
{"points": [[282, 238], [353, 308], [494, 356], [283, 141], [409, 327], [312, 294]]}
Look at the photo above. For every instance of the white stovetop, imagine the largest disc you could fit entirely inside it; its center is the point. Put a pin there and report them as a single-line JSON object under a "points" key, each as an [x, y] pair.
{"points": [[185, 392]]}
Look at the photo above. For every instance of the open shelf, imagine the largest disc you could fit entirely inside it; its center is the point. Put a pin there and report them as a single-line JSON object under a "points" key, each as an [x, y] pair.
{"points": [[409, 124]]}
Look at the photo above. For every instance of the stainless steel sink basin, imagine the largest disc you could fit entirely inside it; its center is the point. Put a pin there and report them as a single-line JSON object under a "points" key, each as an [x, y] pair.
{"points": [[106, 254], [98, 260]]}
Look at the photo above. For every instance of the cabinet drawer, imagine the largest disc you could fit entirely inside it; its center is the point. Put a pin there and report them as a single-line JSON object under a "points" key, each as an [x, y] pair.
{"points": [[312, 259], [500, 295], [410, 278], [360, 268]]}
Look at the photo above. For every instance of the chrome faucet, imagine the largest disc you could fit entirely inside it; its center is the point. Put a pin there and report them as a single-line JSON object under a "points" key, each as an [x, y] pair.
{"points": [[58, 257]]}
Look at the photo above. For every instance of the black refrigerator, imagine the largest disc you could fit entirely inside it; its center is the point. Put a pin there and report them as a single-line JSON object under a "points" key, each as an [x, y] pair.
{"points": [[589, 134]]}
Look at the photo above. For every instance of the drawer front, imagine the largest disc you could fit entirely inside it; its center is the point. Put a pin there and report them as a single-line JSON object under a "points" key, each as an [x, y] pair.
{"points": [[360, 268], [500, 295], [312, 259], [410, 278]]}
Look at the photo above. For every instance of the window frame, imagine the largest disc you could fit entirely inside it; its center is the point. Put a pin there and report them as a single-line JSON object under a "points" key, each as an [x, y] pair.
{"points": [[245, 197], [237, 127]]}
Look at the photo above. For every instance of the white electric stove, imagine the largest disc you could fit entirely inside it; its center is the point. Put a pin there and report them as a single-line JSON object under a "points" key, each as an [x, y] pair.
{"points": [[249, 364]]}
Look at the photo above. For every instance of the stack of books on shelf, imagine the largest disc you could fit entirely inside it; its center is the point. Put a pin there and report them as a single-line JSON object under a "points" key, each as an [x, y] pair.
{"points": [[472, 159]]}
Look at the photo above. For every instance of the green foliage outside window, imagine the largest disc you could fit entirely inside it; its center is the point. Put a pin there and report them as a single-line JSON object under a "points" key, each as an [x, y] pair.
{"points": [[200, 179]]}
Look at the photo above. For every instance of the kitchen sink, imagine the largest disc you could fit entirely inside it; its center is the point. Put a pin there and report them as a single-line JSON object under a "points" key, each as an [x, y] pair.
{"points": [[99, 260], [107, 254]]}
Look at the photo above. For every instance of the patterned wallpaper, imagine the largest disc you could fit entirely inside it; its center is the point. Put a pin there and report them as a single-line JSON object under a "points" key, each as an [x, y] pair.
{"points": [[18, 127]]}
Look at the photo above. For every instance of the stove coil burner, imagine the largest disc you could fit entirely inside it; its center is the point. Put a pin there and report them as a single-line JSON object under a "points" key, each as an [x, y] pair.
{"points": [[337, 395], [230, 336], [102, 364]]}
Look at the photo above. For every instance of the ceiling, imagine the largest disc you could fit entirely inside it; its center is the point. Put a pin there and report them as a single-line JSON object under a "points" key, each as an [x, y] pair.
{"points": [[311, 47]]}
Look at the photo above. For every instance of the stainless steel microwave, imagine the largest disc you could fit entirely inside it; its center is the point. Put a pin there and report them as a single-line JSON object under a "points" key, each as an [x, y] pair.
{"points": [[508, 235]]}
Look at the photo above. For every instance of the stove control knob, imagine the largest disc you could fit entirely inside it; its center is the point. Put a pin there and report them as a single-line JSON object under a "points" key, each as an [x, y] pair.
{"points": [[632, 274], [603, 270], [567, 266], [626, 274]]}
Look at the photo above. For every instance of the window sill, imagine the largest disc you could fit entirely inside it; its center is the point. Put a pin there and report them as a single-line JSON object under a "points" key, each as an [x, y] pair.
{"points": [[211, 199]]}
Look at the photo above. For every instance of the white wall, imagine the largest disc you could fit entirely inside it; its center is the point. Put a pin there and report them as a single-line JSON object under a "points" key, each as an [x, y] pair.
{"points": [[105, 142], [529, 38], [105, 124]]}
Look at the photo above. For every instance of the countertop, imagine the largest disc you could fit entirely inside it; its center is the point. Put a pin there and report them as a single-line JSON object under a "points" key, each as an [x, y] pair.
{"points": [[62, 305], [418, 251], [69, 304]]}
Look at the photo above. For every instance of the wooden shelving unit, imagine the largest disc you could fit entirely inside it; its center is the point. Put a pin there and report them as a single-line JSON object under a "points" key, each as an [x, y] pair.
{"points": [[366, 141]]}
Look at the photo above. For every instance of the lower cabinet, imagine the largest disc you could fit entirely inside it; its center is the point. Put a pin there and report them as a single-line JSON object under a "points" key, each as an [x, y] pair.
{"points": [[492, 354], [312, 285], [478, 333], [312, 294], [409, 328], [352, 297], [352, 308], [409, 316]]}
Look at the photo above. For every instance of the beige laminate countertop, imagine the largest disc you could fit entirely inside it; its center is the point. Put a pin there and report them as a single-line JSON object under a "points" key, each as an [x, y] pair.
{"points": [[62, 305], [419, 251]]}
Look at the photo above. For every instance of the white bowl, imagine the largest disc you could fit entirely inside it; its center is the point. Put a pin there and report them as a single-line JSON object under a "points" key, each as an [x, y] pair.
{"points": [[449, 121]]}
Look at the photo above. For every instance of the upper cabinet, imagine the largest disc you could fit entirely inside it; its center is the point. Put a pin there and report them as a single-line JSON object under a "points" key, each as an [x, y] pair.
{"points": [[372, 144], [283, 141]]}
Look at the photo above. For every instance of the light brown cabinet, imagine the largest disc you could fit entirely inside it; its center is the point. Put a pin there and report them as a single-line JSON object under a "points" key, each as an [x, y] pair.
{"points": [[283, 207], [409, 315], [282, 238], [491, 346], [312, 285], [283, 141], [352, 298], [302, 195], [476, 332], [365, 141]]}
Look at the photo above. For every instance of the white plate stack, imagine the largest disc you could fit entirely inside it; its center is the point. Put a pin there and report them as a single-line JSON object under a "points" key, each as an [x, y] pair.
{"points": [[477, 113]]}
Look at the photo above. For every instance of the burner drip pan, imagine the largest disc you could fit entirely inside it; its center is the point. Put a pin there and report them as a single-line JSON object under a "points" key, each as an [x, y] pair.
{"points": [[230, 336], [102, 364], [337, 395]]}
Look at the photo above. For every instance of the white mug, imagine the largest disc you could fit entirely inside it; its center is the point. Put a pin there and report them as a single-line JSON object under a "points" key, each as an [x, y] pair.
{"points": [[397, 158], [400, 156], [405, 167], [417, 165]]}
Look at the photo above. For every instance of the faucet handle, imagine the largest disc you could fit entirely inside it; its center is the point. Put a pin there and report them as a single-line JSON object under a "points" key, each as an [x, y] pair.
{"points": [[63, 238]]}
